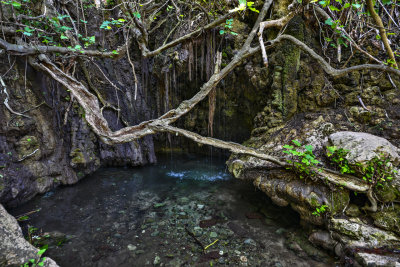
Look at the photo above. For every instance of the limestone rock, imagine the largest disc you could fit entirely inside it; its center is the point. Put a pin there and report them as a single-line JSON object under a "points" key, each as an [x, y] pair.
{"points": [[369, 259], [284, 188], [14, 249], [356, 233], [363, 147]]}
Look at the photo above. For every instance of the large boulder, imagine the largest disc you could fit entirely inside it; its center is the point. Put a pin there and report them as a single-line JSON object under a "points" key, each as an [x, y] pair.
{"points": [[14, 249], [363, 147]]}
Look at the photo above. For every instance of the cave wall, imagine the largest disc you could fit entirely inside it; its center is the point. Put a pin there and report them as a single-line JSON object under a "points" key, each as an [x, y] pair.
{"points": [[54, 145]]}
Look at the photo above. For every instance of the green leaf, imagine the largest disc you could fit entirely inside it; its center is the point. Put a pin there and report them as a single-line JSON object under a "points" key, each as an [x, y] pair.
{"points": [[16, 4], [333, 8], [137, 15], [329, 21], [221, 32], [309, 148], [23, 218], [297, 143]]}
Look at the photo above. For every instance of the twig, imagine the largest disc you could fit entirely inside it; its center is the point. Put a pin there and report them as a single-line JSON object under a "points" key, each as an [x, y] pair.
{"points": [[132, 65], [197, 241], [27, 156], [6, 100], [362, 103]]}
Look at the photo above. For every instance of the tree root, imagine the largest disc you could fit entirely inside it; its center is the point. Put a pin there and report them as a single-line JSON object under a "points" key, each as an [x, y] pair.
{"points": [[371, 198]]}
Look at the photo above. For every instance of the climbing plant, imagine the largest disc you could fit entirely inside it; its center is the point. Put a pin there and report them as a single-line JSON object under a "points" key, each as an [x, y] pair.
{"points": [[302, 159]]}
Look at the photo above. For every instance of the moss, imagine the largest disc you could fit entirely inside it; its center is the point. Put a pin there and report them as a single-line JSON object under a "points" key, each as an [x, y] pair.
{"points": [[313, 200], [229, 111], [387, 193], [291, 63], [340, 199], [388, 219], [77, 157], [236, 168]]}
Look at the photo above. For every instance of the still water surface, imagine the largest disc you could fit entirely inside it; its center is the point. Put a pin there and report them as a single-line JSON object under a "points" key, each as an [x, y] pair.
{"points": [[164, 215]]}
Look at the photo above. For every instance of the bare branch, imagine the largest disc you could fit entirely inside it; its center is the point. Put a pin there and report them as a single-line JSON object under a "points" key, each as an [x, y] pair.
{"points": [[27, 50], [6, 100], [325, 65], [268, 24], [147, 53]]}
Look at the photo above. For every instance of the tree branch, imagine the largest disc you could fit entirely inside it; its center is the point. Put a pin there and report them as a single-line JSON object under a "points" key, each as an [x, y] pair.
{"points": [[325, 65], [382, 32], [147, 53], [28, 50]]}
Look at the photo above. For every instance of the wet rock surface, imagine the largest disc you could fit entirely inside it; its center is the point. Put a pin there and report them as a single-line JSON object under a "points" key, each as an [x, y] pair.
{"points": [[53, 145], [187, 212]]}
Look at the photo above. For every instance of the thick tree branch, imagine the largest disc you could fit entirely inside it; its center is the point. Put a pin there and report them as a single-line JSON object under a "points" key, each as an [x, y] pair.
{"points": [[382, 32], [347, 181], [268, 24], [28, 50], [325, 65]]}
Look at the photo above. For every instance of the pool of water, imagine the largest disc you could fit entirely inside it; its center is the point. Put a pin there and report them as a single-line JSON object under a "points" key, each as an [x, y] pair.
{"points": [[184, 211]]}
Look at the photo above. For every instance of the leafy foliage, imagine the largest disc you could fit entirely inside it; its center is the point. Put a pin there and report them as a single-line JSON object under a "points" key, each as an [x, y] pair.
{"points": [[228, 26], [302, 158], [338, 156], [321, 210], [39, 261], [379, 170]]}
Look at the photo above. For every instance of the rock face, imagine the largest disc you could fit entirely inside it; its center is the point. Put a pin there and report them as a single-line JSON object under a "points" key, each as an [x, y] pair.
{"points": [[14, 249], [363, 147], [53, 144]]}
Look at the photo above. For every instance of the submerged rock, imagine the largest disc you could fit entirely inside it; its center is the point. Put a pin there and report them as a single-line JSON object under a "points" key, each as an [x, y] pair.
{"points": [[14, 249]]}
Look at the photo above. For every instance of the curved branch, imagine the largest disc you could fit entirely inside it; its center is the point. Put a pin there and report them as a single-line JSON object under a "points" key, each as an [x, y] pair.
{"points": [[325, 65], [147, 53], [268, 24]]}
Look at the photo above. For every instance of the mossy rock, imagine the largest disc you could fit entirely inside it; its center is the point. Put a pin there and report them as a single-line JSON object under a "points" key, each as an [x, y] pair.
{"points": [[387, 193], [388, 219], [353, 211], [77, 157], [236, 168]]}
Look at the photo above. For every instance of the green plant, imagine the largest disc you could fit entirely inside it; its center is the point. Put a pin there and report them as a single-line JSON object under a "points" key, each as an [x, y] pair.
{"points": [[39, 261], [320, 210], [338, 156], [376, 172], [303, 160], [228, 26], [250, 5]]}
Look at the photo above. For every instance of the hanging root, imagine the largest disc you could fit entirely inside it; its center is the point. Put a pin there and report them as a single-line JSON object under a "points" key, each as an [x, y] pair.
{"points": [[371, 198], [212, 97], [6, 100]]}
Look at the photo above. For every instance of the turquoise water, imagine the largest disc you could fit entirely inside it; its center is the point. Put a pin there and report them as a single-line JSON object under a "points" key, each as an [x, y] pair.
{"points": [[165, 215]]}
